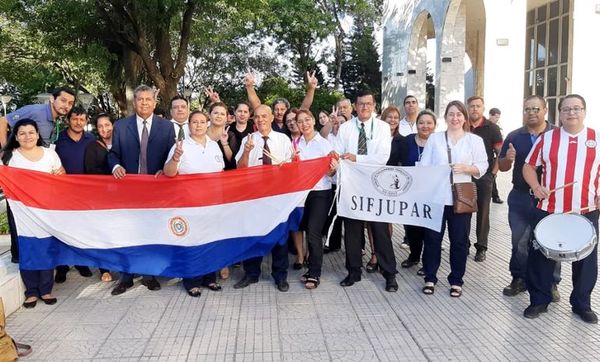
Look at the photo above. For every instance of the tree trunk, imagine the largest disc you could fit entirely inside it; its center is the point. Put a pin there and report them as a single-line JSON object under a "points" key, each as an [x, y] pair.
{"points": [[339, 57]]}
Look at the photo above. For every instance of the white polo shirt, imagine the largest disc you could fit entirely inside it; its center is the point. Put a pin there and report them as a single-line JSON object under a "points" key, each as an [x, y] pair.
{"points": [[197, 158], [315, 148]]}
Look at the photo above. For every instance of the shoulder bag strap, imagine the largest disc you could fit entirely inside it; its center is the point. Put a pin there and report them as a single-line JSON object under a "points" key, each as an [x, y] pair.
{"points": [[449, 158]]}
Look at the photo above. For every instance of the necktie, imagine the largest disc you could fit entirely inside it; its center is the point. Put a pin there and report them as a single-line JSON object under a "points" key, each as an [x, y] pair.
{"points": [[180, 133], [266, 159], [362, 140], [144, 149]]}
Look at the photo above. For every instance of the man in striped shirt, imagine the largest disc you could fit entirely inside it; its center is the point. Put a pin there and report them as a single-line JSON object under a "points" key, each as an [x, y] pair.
{"points": [[567, 154]]}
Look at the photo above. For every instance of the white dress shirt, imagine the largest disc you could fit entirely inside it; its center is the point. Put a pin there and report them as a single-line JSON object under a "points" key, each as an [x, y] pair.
{"points": [[378, 140], [469, 150], [279, 144], [197, 158], [140, 125], [315, 148], [186, 128]]}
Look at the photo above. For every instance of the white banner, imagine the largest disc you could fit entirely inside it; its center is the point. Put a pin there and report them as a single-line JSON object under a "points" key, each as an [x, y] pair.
{"points": [[399, 195]]}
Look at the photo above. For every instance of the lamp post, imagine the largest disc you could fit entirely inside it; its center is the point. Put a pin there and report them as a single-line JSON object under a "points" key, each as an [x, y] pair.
{"points": [[5, 99], [187, 93]]}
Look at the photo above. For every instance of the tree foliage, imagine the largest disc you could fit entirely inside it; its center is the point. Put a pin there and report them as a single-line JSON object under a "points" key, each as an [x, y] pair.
{"points": [[361, 66], [107, 47]]}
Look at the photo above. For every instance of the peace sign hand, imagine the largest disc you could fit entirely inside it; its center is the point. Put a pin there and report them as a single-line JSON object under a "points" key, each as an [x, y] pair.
{"points": [[312, 80], [178, 151]]}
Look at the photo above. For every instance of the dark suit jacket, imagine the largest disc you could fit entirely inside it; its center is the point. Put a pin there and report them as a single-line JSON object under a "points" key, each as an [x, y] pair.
{"points": [[125, 149]]}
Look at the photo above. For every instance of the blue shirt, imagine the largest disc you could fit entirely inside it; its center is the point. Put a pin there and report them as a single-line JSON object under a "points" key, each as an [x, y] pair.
{"points": [[522, 141], [72, 153], [40, 113]]}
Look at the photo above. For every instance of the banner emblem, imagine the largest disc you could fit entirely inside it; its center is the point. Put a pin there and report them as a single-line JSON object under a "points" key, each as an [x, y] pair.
{"points": [[391, 181]]}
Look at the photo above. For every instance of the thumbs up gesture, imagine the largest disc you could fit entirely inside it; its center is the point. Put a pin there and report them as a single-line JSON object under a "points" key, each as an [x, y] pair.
{"points": [[511, 153]]}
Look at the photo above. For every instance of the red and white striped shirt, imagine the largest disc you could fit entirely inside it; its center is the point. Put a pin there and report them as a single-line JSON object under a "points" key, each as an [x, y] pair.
{"points": [[567, 158]]}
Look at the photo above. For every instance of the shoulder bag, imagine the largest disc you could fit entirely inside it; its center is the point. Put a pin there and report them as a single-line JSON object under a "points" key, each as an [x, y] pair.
{"points": [[464, 194]]}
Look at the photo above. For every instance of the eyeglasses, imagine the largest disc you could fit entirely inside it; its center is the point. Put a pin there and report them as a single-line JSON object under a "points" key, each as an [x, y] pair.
{"points": [[534, 110], [567, 110], [364, 105]]}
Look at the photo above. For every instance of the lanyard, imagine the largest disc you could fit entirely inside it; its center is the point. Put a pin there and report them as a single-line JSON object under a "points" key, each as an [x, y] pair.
{"points": [[358, 128], [56, 131]]}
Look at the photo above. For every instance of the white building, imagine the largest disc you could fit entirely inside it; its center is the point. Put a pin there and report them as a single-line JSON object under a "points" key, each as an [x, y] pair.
{"points": [[503, 50]]}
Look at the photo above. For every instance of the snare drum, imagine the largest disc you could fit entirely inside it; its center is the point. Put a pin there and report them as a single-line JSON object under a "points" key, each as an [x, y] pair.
{"points": [[565, 237]]}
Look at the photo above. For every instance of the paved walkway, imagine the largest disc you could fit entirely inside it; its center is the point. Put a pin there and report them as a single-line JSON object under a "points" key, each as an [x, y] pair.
{"points": [[361, 323]]}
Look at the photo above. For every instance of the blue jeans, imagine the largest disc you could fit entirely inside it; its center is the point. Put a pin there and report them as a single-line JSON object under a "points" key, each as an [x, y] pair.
{"points": [[521, 208], [37, 282], [458, 233]]}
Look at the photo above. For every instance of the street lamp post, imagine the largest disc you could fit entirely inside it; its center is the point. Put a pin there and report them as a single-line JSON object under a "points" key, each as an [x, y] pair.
{"points": [[5, 99]]}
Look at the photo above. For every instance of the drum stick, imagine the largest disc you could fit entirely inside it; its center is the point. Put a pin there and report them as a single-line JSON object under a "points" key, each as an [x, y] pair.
{"points": [[562, 187]]}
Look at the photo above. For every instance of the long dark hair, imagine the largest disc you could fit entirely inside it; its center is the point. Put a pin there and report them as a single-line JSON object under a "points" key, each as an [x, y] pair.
{"points": [[13, 144]]}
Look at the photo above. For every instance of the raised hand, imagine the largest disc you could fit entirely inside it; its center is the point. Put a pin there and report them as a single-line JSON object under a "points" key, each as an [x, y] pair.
{"points": [[178, 151], [511, 153], [312, 80], [249, 145], [249, 78], [212, 95], [225, 136]]}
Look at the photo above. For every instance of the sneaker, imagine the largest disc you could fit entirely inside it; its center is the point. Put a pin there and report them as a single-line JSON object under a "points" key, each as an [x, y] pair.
{"points": [[555, 294], [480, 256], [405, 245], [515, 287]]}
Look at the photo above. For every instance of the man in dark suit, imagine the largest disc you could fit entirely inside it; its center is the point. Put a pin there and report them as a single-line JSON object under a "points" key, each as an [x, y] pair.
{"points": [[141, 144]]}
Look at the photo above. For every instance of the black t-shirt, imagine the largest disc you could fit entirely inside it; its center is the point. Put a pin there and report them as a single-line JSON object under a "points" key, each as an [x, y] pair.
{"points": [[492, 138]]}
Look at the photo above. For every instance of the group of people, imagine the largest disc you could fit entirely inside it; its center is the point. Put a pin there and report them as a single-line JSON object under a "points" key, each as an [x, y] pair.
{"points": [[541, 157]]}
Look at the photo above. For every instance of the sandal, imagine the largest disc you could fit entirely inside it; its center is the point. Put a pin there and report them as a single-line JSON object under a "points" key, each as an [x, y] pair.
{"points": [[455, 291], [194, 292], [304, 277], [22, 348], [312, 282], [429, 288]]}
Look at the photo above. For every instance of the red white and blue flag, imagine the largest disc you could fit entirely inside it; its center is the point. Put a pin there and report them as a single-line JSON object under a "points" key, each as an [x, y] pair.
{"points": [[178, 227]]}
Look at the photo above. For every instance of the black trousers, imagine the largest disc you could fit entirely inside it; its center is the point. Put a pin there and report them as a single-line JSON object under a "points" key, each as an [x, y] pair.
{"points": [[384, 250], [415, 235], [14, 239], [484, 199], [335, 240], [315, 214]]}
